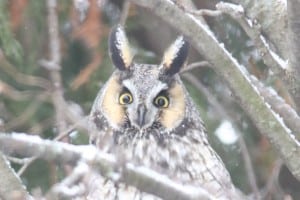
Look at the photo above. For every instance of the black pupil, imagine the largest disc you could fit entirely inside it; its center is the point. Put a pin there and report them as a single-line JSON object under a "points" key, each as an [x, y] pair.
{"points": [[126, 98], [160, 102]]}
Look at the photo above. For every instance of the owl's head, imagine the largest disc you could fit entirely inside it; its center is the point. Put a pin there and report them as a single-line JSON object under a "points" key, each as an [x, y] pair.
{"points": [[143, 96]]}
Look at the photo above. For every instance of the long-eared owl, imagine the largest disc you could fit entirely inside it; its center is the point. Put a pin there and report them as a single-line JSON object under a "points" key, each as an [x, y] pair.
{"points": [[144, 113]]}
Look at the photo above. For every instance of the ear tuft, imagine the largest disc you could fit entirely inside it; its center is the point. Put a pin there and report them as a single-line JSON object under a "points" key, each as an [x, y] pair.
{"points": [[119, 48], [175, 56]]}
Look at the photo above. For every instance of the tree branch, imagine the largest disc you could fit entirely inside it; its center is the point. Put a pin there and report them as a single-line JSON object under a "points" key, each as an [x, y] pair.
{"points": [[54, 65], [140, 177], [288, 114], [252, 28], [236, 77], [272, 16], [293, 7], [279, 23]]}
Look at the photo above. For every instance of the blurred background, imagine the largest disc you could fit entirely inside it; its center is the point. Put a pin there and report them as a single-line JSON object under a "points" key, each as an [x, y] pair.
{"points": [[26, 84]]}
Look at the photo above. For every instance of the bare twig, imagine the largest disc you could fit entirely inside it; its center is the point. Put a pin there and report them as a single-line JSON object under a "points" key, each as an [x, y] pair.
{"points": [[124, 15], [273, 178], [28, 162], [19, 161], [70, 128], [79, 120], [140, 177], [195, 65], [15, 94], [236, 77], [22, 78], [249, 167], [70, 187]]}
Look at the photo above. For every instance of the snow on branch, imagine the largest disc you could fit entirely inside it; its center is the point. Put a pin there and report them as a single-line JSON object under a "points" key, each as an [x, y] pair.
{"points": [[253, 30], [279, 23], [236, 76], [107, 165], [278, 104]]}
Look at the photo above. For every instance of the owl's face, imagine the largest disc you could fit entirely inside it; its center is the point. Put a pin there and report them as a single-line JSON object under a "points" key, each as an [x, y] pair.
{"points": [[141, 96]]}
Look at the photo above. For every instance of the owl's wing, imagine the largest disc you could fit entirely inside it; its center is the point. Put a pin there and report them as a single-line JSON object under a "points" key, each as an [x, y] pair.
{"points": [[206, 167]]}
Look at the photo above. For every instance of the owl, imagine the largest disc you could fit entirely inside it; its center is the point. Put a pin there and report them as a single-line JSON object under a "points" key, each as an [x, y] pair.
{"points": [[144, 114]]}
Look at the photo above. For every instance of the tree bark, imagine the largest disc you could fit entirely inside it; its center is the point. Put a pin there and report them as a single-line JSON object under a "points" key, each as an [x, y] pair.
{"points": [[293, 7], [10, 184]]}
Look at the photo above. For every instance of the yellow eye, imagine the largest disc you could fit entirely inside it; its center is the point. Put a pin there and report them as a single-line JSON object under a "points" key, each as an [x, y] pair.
{"points": [[161, 101], [125, 98]]}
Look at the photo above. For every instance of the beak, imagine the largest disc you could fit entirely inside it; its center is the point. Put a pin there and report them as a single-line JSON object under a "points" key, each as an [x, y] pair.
{"points": [[141, 114]]}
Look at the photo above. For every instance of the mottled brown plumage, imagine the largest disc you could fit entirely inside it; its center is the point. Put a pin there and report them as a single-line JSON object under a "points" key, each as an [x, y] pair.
{"points": [[144, 115]]}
